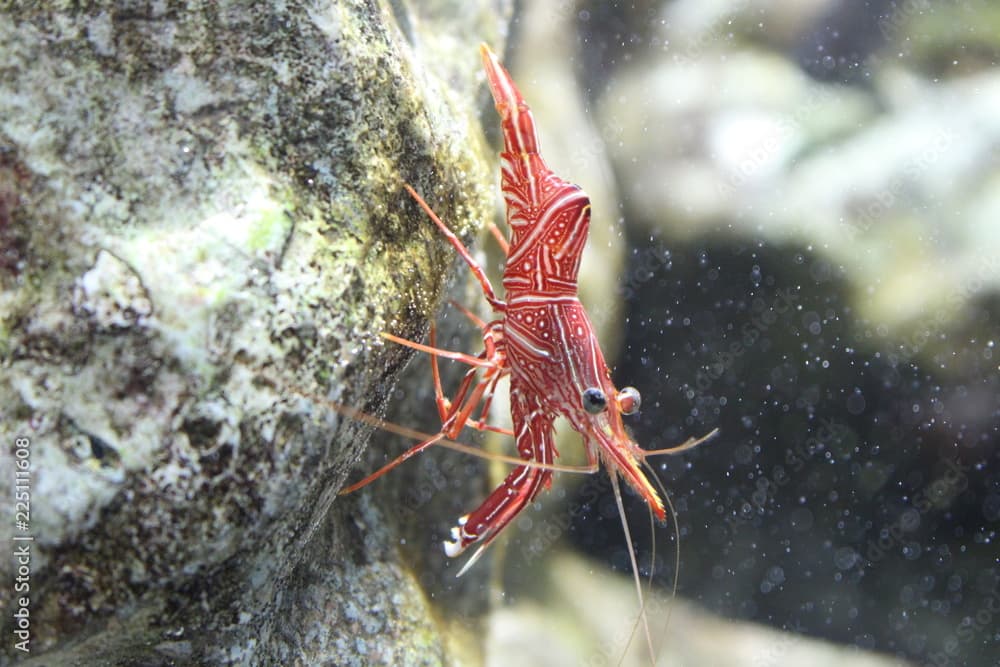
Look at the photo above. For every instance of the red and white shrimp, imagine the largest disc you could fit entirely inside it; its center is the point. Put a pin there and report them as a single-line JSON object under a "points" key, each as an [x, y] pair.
{"points": [[541, 338]]}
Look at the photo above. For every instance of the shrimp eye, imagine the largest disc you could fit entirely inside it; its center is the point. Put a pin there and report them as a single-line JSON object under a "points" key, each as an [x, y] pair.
{"points": [[594, 400], [629, 400]]}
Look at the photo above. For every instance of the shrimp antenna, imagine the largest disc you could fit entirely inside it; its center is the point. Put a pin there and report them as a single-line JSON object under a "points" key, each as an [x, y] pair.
{"points": [[635, 568], [677, 559], [677, 536], [407, 432], [649, 588], [413, 434], [690, 443]]}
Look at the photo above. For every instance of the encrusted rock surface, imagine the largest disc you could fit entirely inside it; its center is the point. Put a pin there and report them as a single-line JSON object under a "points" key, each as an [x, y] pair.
{"points": [[202, 232]]}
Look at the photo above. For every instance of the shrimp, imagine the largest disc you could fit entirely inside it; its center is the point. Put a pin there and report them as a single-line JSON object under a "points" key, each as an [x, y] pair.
{"points": [[541, 338]]}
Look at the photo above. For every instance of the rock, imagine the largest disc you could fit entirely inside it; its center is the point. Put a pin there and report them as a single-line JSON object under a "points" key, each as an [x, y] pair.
{"points": [[586, 615], [203, 232], [767, 151]]}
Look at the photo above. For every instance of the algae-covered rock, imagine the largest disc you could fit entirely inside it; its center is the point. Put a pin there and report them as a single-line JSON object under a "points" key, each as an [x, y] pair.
{"points": [[203, 232]]}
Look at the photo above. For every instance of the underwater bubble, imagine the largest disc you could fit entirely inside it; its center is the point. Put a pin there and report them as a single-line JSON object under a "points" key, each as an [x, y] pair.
{"points": [[856, 403], [845, 558]]}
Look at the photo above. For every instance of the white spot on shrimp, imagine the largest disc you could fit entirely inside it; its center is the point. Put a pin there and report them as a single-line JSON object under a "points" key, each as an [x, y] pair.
{"points": [[579, 331], [452, 549]]}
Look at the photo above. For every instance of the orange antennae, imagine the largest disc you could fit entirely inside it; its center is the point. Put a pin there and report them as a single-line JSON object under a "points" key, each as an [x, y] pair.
{"points": [[468, 313], [477, 270], [501, 240], [406, 432], [635, 567], [690, 443], [447, 354]]}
